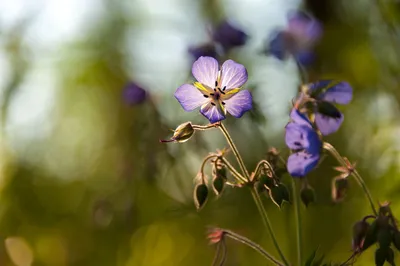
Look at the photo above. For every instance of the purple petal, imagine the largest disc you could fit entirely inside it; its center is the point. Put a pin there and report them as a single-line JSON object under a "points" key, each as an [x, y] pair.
{"points": [[300, 164], [304, 57], [299, 118], [341, 93], [304, 28], [190, 97], [239, 103], [203, 50], [301, 137], [229, 36], [205, 70], [233, 75], [278, 46], [328, 125], [212, 113], [133, 94]]}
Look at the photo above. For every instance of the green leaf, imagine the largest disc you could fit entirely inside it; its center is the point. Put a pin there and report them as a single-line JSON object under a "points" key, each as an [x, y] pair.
{"points": [[200, 195]]}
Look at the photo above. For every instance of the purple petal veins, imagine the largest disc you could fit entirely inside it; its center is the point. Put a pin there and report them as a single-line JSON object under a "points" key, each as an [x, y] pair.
{"points": [[239, 103], [190, 97], [233, 75], [205, 70], [212, 113]]}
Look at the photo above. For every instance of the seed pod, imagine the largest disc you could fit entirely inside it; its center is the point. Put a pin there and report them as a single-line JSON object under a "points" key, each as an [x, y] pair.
{"points": [[219, 176], [307, 195], [218, 184], [360, 230], [200, 195]]}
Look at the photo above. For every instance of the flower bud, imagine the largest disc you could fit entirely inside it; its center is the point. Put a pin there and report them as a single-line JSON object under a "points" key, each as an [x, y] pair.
{"points": [[265, 182], [307, 195], [200, 195], [396, 239], [382, 255], [370, 236], [218, 184], [182, 133], [360, 230], [279, 194]]}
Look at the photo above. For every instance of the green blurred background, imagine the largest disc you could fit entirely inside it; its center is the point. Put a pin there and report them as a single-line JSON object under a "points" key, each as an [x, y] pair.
{"points": [[83, 178]]}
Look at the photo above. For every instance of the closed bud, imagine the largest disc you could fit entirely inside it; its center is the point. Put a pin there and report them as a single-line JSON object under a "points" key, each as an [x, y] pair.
{"points": [[382, 255], [265, 182], [339, 188], [218, 184], [279, 194], [371, 236], [307, 195], [396, 239], [360, 230], [182, 133], [200, 195]]}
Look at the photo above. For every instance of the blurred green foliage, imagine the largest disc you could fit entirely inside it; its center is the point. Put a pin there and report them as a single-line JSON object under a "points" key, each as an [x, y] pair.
{"points": [[98, 188]]}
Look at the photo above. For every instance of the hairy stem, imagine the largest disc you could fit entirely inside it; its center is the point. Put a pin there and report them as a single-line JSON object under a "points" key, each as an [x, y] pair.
{"points": [[251, 244], [356, 175], [234, 150], [298, 223], [267, 223]]}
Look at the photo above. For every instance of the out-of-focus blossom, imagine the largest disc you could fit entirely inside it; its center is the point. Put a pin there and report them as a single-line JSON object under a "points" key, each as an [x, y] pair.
{"points": [[324, 93], [229, 36], [133, 94], [298, 39], [217, 90], [305, 143], [225, 35]]}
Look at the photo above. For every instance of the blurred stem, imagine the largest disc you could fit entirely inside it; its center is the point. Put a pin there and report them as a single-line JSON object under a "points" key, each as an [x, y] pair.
{"points": [[234, 172], [355, 174], [204, 164], [303, 73], [209, 126], [261, 164], [298, 222], [234, 150], [267, 223], [251, 244]]}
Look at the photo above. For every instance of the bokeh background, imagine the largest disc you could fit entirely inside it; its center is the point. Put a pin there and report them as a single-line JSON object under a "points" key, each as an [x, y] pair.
{"points": [[83, 177]]}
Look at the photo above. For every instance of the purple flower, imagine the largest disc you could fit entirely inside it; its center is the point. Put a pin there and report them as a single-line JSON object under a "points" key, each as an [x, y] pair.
{"points": [[203, 50], [305, 142], [229, 36], [298, 39], [133, 94], [217, 90], [326, 92]]}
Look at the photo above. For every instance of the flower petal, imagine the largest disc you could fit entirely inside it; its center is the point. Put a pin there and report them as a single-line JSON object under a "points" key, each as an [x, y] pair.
{"points": [[331, 91], [233, 75], [341, 93], [299, 118], [190, 97], [300, 164], [205, 70], [239, 103], [304, 28], [229, 36], [301, 137], [328, 125], [278, 46], [212, 113]]}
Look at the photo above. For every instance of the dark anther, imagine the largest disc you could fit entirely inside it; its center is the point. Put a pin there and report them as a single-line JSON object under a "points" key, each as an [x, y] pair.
{"points": [[205, 96], [215, 89], [223, 103], [211, 94], [297, 143], [301, 136], [213, 104], [216, 83], [221, 91], [224, 88]]}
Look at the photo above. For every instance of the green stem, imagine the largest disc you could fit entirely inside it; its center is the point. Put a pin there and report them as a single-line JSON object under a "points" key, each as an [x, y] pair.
{"points": [[234, 150], [356, 175], [209, 126], [261, 164], [251, 244], [298, 223], [234, 172], [267, 223]]}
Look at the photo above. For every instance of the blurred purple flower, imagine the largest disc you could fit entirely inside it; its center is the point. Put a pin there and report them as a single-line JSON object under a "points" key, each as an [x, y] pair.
{"points": [[229, 36], [326, 92], [133, 94], [305, 142], [217, 90], [298, 39], [203, 50]]}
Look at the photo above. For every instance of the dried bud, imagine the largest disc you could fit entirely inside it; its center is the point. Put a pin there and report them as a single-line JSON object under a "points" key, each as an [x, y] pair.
{"points": [[307, 195], [279, 194], [218, 184], [182, 133], [200, 195], [360, 230], [339, 188]]}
